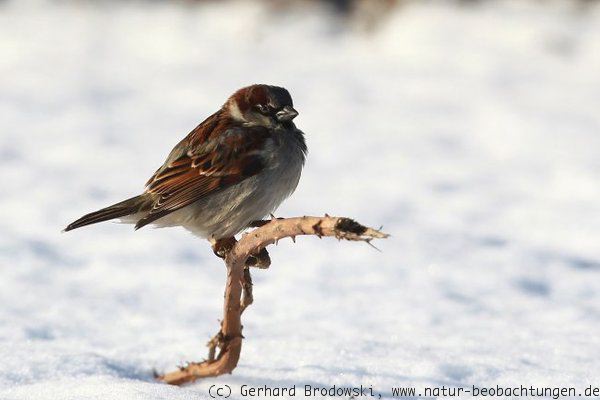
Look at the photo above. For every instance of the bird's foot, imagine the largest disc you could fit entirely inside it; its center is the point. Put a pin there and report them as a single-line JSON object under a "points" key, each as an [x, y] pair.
{"points": [[259, 260], [223, 246]]}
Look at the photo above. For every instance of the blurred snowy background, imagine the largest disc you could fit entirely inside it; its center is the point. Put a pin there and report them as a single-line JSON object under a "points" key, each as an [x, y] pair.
{"points": [[470, 130]]}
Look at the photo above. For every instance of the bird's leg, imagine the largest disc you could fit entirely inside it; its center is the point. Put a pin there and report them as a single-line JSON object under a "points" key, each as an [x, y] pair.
{"points": [[258, 223], [261, 222], [222, 246]]}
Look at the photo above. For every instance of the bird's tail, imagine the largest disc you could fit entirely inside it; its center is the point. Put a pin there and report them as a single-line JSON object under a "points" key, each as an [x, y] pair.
{"points": [[122, 209]]}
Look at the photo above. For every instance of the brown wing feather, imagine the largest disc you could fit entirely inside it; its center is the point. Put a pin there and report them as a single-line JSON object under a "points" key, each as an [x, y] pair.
{"points": [[214, 156]]}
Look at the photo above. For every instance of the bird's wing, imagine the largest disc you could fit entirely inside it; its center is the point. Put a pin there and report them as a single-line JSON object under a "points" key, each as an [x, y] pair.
{"points": [[203, 164]]}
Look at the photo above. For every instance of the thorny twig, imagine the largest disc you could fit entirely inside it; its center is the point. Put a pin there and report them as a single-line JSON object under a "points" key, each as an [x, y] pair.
{"points": [[238, 290]]}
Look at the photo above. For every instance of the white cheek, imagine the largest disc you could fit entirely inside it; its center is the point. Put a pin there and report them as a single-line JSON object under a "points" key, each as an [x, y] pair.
{"points": [[235, 112]]}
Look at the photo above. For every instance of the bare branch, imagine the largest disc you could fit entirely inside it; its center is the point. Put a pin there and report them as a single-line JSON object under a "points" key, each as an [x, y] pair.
{"points": [[238, 290]]}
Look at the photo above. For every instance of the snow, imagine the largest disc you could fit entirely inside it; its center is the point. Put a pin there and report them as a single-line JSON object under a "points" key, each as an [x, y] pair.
{"points": [[472, 133]]}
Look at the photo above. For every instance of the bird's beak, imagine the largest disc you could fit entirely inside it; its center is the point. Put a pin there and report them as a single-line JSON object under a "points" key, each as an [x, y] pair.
{"points": [[287, 114]]}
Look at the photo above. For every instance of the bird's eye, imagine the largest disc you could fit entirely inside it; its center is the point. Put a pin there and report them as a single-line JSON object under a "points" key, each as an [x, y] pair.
{"points": [[262, 109]]}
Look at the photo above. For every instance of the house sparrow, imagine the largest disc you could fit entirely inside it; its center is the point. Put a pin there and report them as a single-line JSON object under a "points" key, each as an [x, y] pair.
{"points": [[234, 168]]}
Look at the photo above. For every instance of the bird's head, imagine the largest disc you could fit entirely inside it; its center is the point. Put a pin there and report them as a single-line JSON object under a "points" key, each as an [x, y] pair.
{"points": [[262, 105]]}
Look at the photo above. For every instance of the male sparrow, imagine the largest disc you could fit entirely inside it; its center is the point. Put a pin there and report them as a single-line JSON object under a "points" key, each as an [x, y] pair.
{"points": [[234, 168]]}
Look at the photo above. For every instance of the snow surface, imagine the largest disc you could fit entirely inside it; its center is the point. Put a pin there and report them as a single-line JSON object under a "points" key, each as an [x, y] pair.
{"points": [[471, 133]]}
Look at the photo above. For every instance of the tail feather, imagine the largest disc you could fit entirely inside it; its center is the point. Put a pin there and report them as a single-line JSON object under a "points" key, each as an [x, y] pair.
{"points": [[127, 207]]}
